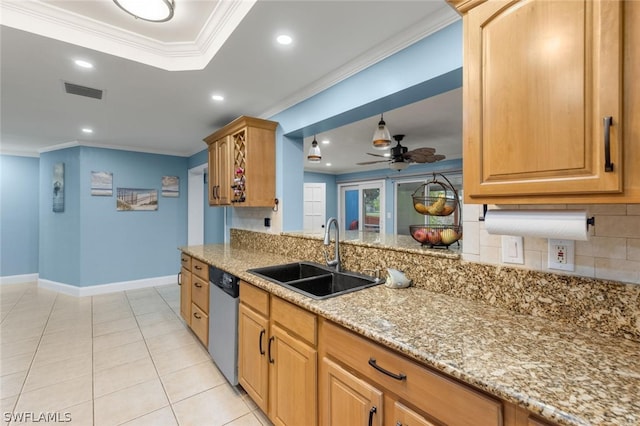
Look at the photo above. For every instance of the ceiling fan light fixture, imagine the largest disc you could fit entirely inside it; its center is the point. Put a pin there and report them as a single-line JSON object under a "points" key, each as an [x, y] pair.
{"points": [[148, 10], [398, 165], [381, 137], [314, 152]]}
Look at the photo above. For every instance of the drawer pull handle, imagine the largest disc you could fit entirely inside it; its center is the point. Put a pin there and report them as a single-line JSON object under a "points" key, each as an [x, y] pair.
{"points": [[195, 314], [184, 259], [400, 376], [608, 165], [371, 413], [180, 278], [198, 285], [198, 267], [260, 341], [271, 360]]}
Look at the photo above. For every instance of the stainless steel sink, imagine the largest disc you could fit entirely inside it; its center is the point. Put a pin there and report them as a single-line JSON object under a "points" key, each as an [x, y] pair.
{"points": [[315, 280]]}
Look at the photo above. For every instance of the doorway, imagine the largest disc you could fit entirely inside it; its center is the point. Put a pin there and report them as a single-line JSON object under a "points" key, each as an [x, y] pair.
{"points": [[195, 209], [361, 206], [314, 207]]}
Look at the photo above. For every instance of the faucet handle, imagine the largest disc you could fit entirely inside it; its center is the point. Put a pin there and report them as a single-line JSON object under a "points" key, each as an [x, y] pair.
{"points": [[376, 272]]}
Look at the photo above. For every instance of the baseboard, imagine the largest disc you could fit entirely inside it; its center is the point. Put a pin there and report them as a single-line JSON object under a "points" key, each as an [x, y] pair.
{"points": [[19, 279], [94, 290]]}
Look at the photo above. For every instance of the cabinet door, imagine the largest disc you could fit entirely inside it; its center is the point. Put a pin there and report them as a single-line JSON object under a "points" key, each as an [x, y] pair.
{"points": [[200, 324], [539, 78], [185, 295], [292, 380], [253, 367], [348, 400], [404, 416], [219, 172]]}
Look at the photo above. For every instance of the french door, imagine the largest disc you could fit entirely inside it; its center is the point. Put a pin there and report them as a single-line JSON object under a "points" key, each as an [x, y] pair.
{"points": [[361, 206]]}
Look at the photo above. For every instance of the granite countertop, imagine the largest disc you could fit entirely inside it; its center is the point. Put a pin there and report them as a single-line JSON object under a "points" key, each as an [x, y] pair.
{"points": [[566, 374]]}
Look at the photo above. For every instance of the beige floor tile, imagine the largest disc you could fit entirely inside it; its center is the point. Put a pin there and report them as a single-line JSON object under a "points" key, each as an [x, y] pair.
{"points": [[154, 317], [221, 405], [142, 308], [176, 359], [142, 293], [107, 327], [55, 351], [52, 398], [161, 417], [123, 376], [82, 326], [173, 340], [64, 337], [189, 381], [262, 417], [246, 420], [119, 338], [161, 328], [80, 414], [15, 364], [11, 384], [112, 315], [7, 405], [119, 355], [46, 374], [20, 347], [13, 334], [130, 403]]}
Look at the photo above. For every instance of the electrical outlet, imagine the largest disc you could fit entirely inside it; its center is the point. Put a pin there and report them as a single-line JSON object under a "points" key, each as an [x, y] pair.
{"points": [[562, 254], [512, 249]]}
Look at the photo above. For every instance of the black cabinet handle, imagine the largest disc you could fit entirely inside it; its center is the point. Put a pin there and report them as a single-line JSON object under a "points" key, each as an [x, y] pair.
{"points": [[271, 360], [371, 413], [197, 284], [180, 278], [608, 165], [199, 268], [195, 314], [399, 376], [260, 341]]}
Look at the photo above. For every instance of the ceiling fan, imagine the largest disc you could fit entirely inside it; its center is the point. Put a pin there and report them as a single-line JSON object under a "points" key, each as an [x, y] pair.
{"points": [[401, 157]]}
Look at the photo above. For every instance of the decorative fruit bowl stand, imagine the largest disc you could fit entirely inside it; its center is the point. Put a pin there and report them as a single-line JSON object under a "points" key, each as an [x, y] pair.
{"points": [[437, 199]]}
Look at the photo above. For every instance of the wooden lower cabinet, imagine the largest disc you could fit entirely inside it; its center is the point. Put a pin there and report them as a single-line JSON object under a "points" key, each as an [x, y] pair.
{"points": [[194, 295], [405, 416], [185, 294], [277, 357]]}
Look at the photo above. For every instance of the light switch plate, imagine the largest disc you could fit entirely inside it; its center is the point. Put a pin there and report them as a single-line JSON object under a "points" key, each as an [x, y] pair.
{"points": [[512, 249], [562, 254]]}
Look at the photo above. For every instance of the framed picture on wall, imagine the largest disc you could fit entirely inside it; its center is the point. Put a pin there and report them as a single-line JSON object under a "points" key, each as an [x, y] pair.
{"points": [[58, 187], [102, 184], [170, 186], [135, 199]]}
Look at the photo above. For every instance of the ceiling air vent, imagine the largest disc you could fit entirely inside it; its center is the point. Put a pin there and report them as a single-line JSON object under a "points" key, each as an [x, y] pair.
{"points": [[88, 92]]}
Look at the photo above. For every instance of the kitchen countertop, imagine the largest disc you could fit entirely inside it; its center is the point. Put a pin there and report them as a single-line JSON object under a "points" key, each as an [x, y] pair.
{"points": [[566, 374]]}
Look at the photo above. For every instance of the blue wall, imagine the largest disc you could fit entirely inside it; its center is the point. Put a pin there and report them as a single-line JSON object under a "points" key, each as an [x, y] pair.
{"points": [[91, 242], [19, 222]]}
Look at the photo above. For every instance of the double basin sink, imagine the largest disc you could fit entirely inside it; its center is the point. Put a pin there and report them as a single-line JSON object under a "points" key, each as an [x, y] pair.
{"points": [[315, 280]]}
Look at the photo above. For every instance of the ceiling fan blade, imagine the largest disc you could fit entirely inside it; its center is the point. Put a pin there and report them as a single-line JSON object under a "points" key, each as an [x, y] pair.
{"points": [[376, 155], [372, 162]]}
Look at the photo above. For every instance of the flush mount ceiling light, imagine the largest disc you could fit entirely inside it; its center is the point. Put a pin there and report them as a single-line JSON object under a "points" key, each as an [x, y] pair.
{"points": [[217, 98], [284, 39], [381, 137], [87, 130], [83, 64], [314, 152], [148, 10], [399, 165]]}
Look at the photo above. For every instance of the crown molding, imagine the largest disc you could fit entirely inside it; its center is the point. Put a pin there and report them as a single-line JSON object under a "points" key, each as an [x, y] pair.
{"points": [[90, 144], [444, 17], [49, 21]]}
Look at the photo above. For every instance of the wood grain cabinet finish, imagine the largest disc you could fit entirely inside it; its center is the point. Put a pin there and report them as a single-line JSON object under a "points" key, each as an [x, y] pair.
{"points": [[540, 78], [277, 357], [194, 295], [184, 280], [248, 144]]}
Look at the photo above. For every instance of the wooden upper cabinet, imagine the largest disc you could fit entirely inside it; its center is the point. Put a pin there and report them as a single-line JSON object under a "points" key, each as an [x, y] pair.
{"points": [[540, 76], [242, 163]]}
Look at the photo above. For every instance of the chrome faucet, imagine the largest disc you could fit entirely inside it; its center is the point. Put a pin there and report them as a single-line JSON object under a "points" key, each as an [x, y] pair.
{"points": [[327, 230]]}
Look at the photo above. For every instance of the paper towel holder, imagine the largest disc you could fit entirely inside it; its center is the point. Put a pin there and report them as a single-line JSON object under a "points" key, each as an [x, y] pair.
{"points": [[590, 220]]}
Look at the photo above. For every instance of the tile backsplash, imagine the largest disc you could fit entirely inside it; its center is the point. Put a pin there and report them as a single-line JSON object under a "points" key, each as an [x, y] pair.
{"points": [[611, 253]]}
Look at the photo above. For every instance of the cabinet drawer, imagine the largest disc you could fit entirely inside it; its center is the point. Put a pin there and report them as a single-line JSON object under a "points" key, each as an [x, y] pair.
{"points": [[185, 259], [295, 319], [200, 324], [444, 399], [200, 293], [254, 297], [201, 269]]}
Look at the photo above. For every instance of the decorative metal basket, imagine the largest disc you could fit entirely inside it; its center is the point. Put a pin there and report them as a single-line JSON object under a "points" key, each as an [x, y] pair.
{"points": [[441, 199], [436, 236]]}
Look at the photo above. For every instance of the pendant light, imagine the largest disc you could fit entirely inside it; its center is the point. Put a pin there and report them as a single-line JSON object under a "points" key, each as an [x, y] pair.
{"points": [[381, 137], [148, 10], [314, 152]]}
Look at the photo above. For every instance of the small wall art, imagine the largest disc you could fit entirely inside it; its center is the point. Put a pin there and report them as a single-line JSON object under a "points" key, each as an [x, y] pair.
{"points": [[134, 199], [58, 187], [102, 184], [170, 186]]}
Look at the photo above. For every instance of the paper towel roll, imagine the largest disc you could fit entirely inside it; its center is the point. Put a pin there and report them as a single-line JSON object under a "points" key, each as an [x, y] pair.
{"points": [[559, 224]]}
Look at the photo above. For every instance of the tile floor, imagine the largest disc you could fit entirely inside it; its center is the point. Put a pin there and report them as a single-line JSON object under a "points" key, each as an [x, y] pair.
{"points": [[123, 358]]}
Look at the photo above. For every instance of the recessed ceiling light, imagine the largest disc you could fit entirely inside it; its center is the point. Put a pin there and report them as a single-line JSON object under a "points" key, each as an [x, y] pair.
{"points": [[328, 164], [83, 64], [284, 39], [217, 98], [87, 130], [387, 154], [326, 141]]}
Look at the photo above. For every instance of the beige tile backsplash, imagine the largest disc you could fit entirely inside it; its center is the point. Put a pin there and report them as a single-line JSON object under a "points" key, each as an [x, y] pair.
{"points": [[612, 251]]}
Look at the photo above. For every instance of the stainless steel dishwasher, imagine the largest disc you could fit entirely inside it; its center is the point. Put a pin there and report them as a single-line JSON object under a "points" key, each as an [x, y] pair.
{"points": [[223, 322]]}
